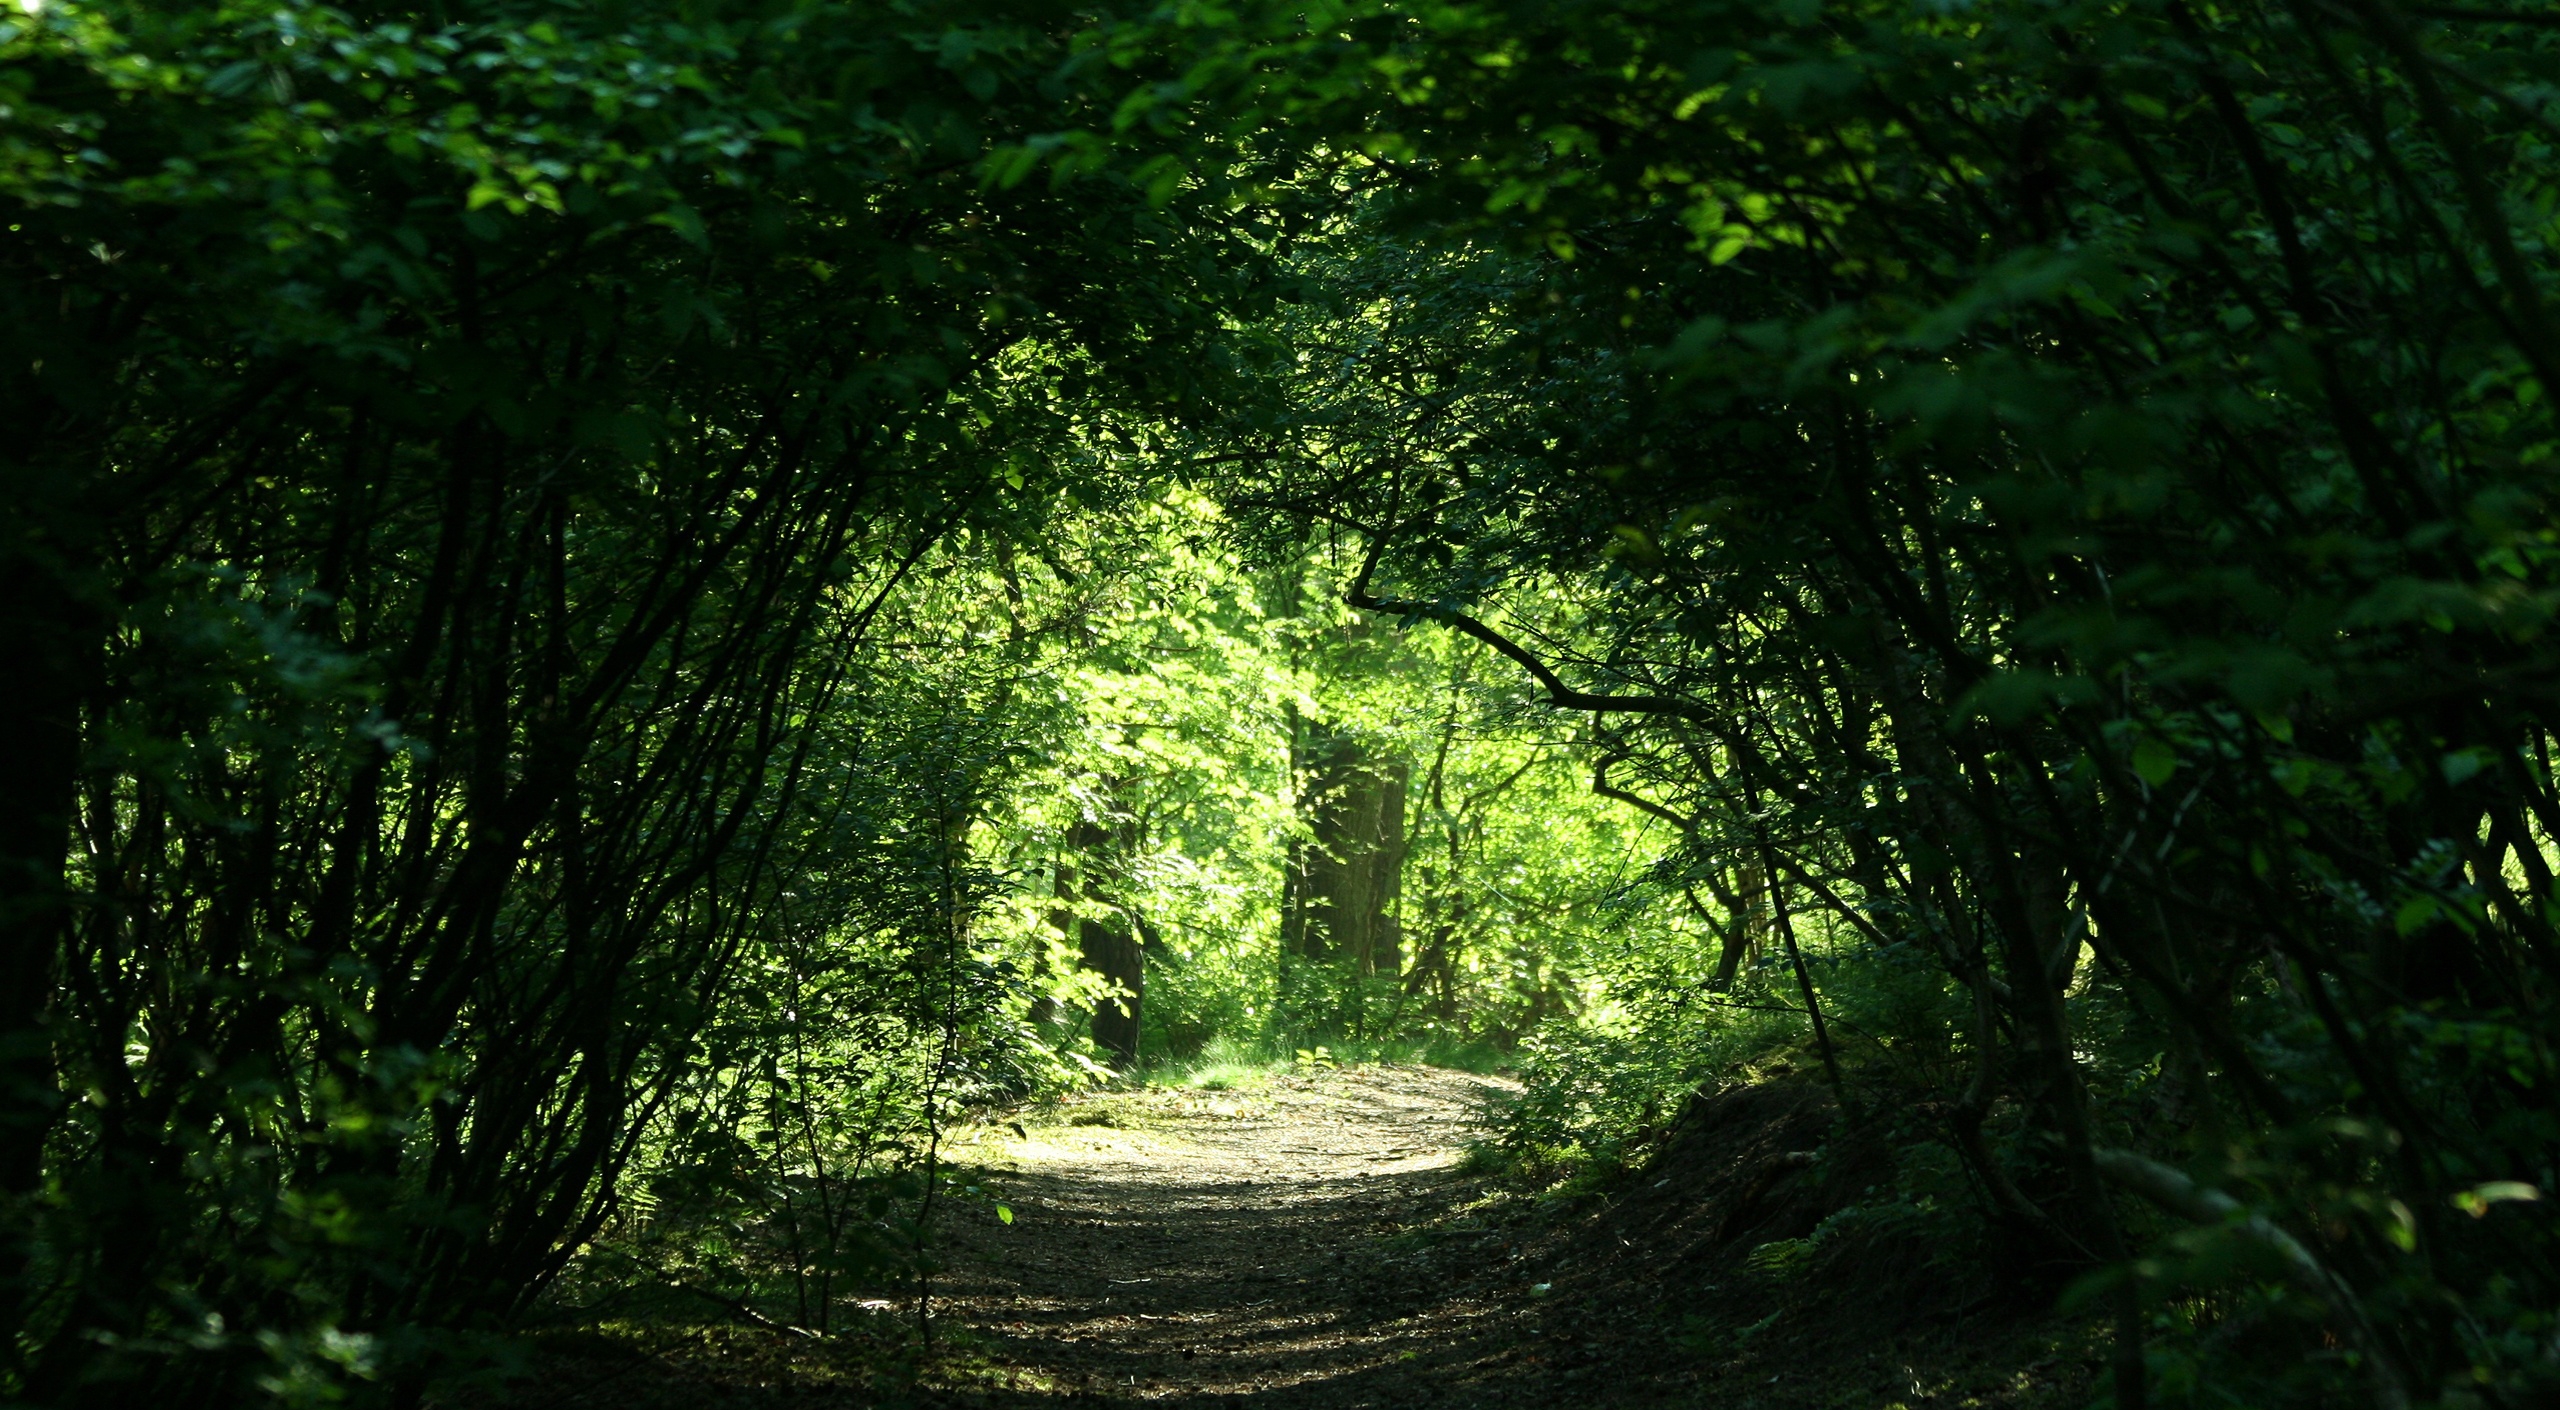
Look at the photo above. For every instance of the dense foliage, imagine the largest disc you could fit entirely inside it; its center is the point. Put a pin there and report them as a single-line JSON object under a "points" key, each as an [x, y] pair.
{"points": [[462, 467], [2062, 490], [614, 616]]}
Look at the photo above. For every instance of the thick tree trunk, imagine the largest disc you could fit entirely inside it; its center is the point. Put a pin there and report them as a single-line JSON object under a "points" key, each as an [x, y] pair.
{"points": [[1347, 877], [1111, 949], [1106, 946]]}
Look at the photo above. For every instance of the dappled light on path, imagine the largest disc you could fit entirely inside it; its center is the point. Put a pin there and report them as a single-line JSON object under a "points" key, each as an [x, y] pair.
{"points": [[1229, 1247]]}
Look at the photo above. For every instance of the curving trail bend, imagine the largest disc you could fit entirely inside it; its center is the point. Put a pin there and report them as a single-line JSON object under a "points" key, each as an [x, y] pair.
{"points": [[1304, 1244]]}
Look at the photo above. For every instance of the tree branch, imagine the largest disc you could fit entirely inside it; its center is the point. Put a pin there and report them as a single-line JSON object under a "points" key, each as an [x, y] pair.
{"points": [[1559, 694], [2172, 1190]]}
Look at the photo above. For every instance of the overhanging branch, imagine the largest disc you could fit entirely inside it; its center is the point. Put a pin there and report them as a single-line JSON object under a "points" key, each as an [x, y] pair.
{"points": [[1559, 694]]}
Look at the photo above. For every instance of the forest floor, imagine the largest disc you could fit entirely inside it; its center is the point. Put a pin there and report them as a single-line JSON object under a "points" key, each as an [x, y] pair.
{"points": [[1321, 1241]]}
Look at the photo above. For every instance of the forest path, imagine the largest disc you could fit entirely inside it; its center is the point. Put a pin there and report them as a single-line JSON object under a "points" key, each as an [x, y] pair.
{"points": [[1235, 1248]]}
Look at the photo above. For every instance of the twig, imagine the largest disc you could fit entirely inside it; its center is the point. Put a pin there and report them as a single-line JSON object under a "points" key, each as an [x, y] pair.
{"points": [[740, 1309]]}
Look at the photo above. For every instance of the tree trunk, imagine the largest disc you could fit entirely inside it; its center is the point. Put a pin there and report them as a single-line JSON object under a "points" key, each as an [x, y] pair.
{"points": [[1347, 877], [1111, 950], [1436, 968], [1384, 953], [1106, 946], [1744, 929]]}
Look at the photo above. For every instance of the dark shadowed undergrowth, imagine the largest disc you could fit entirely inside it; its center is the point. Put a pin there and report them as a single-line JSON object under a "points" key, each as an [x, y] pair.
{"points": [[632, 629]]}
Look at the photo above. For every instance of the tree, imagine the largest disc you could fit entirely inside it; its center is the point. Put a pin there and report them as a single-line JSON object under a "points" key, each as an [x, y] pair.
{"points": [[2027, 479], [1346, 878], [467, 459]]}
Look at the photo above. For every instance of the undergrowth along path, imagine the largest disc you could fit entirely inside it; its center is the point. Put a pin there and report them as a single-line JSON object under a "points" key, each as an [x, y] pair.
{"points": [[1303, 1243]]}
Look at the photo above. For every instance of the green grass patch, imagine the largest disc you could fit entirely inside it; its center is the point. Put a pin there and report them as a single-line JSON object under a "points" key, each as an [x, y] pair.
{"points": [[1221, 1065], [1226, 1064]]}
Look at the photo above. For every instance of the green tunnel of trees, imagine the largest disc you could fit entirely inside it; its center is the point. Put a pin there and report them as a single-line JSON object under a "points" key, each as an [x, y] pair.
{"points": [[611, 616]]}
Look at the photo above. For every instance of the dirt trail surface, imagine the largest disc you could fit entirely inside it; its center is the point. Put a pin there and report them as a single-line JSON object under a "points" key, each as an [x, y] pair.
{"points": [[1315, 1243], [1301, 1244]]}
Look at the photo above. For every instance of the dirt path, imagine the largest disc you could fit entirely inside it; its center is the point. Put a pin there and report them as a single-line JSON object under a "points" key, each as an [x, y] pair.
{"points": [[1315, 1244], [1305, 1244]]}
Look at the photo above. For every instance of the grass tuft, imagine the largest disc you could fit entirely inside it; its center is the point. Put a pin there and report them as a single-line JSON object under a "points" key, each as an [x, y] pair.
{"points": [[1227, 1064]]}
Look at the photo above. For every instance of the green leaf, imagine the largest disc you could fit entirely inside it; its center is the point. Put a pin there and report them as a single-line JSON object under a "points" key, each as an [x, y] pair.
{"points": [[2477, 1200], [2155, 761]]}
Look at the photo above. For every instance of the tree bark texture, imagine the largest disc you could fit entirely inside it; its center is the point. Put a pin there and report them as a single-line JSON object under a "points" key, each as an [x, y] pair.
{"points": [[1347, 875], [1107, 945]]}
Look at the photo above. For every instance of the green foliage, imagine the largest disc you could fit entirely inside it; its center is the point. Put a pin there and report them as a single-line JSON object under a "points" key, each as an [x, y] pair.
{"points": [[2047, 495], [616, 613], [469, 458]]}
